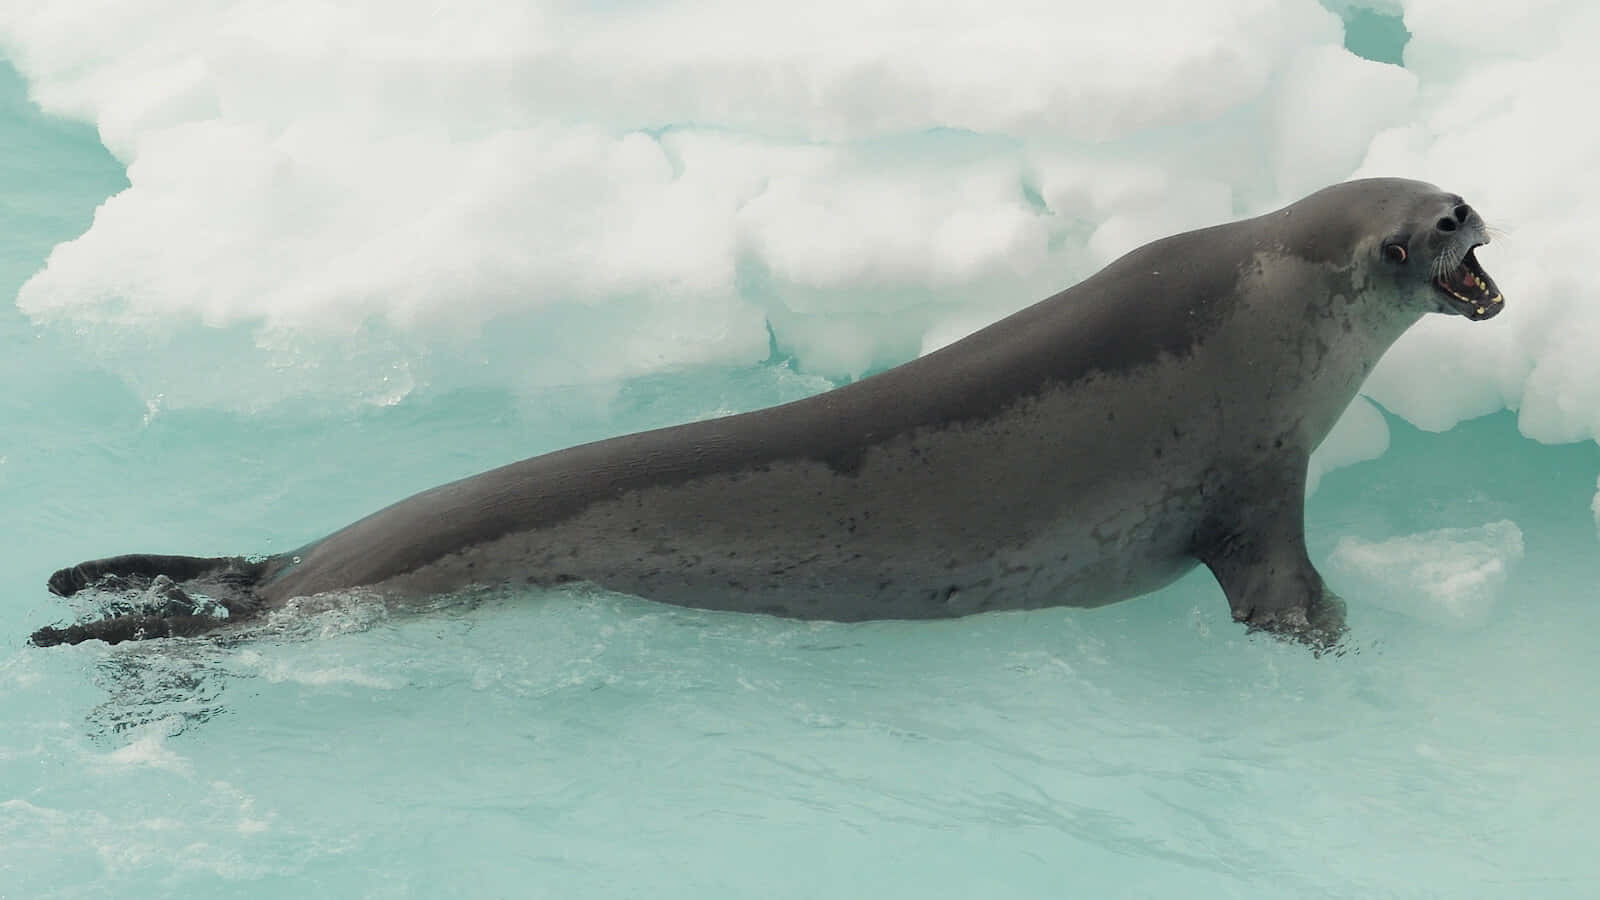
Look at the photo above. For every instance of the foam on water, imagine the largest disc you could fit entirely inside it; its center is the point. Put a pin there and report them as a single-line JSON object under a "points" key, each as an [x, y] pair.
{"points": [[352, 251]]}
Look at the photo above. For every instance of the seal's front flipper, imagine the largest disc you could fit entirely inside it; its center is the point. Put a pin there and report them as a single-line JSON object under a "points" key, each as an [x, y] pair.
{"points": [[1272, 586], [150, 596]]}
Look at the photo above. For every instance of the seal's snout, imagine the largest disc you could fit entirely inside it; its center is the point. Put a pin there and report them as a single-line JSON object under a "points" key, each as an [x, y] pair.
{"points": [[1463, 216], [1463, 286]]}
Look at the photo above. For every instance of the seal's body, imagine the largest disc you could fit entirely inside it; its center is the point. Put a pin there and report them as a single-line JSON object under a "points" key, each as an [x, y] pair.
{"points": [[1090, 448]]}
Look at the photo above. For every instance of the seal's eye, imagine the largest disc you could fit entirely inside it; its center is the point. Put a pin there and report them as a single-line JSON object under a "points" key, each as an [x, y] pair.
{"points": [[1394, 252]]}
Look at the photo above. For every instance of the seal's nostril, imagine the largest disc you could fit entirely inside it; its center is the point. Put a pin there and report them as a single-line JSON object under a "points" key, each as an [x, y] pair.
{"points": [[1462, 212], [1447, 224]]}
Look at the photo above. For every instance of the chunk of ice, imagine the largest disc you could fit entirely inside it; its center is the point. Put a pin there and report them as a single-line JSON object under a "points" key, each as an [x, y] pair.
{"points": [[1451, 576]]}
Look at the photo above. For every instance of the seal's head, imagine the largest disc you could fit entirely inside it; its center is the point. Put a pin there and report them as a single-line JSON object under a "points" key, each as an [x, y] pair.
{"points": [[1430, 251], [1412, 238], [1434, 256]]}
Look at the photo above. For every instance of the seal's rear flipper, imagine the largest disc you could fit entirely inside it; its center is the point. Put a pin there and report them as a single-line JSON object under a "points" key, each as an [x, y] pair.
{"points": [[117, 629], [152, 596], [141, 568]]}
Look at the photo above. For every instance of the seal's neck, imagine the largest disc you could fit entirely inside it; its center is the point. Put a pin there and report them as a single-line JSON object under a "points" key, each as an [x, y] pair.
{"points": [[1345, 344], [1309, 333]]}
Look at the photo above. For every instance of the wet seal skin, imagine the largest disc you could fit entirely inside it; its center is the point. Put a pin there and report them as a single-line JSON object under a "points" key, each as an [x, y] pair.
{"points": [[1090, 448]]}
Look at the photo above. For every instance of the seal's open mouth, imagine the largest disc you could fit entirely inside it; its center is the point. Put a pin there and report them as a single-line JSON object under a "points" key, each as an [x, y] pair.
{"points": [[1469, 290]]}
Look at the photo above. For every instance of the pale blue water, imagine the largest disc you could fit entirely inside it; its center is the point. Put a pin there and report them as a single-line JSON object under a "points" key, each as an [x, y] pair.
{"points": [[588, 745]]}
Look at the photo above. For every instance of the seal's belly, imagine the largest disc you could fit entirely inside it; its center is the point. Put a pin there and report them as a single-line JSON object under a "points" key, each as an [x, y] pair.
{"points": [[849, 557], [857, 584], [1050, 504], [848, 596]]}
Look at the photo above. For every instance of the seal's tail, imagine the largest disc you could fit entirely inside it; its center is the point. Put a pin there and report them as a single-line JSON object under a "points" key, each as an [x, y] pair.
{"points": [[149, 596]]}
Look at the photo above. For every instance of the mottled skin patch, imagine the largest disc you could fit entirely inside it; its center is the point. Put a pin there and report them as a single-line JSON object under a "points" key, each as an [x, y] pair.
{"points": [[1088, 449]]}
